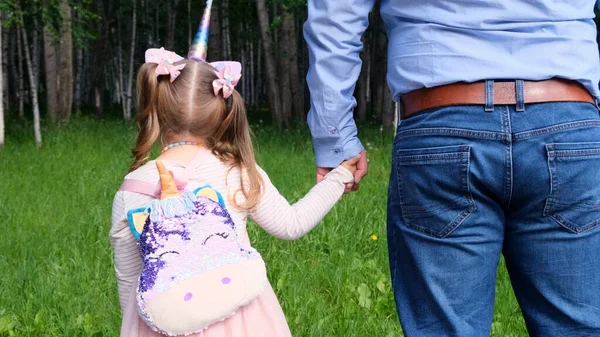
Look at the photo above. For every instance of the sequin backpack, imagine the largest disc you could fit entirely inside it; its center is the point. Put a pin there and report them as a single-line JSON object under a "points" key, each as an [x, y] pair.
{"points": [[196, 270]]}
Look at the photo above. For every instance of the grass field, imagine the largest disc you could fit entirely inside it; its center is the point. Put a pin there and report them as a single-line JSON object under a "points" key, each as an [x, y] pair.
{"points": [[56, 276]]}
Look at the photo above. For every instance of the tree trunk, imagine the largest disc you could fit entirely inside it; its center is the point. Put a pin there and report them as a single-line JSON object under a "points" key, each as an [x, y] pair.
{"points": [[65, 80], [252, 79], [1, 86], [21, 74], [131, 62], [189, 12], [120, 81], [78, 79], [156, 26], [50, 65], [13, 49], [379, 72], [214, 40], [244, 78], [99, 58], [4, 66], [86, 78], [226, 37], [35, 49], [284, 70], [171, 20], [388, 108], [33, 88], [147, 23], [270, 64], [292, 52]]}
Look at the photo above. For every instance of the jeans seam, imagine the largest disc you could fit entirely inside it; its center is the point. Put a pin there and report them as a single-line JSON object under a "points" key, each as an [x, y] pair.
{"points": [[432, 158], [508, 165], [489, 135], [590, 153], [556, 128], [577, 230]]}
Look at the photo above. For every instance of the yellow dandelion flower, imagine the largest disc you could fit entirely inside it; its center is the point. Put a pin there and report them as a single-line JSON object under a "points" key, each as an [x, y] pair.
{"points": [[374, 237]]}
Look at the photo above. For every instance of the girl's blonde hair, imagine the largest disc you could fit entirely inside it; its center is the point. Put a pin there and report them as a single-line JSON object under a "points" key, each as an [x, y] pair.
{"points": [[189, 105]]}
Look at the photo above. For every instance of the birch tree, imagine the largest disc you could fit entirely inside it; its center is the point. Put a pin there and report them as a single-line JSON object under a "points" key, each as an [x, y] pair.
{"points": [[1, 88], [32, 86], [128, 98], [4, 65]]}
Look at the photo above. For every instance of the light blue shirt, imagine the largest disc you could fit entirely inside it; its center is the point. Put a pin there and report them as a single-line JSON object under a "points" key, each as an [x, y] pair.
{"points": [[436, 42]]}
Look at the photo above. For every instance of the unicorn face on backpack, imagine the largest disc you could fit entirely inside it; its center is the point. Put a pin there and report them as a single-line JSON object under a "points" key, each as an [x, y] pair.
{"points": [[196, 269]]}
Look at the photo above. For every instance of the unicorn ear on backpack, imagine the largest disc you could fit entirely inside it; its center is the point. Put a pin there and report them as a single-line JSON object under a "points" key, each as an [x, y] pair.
{"points": [[208, 192], [137, 220]]}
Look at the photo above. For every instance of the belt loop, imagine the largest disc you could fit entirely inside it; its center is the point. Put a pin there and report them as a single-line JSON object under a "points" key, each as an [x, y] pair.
{"points": [[489, 95], [520, 94]]}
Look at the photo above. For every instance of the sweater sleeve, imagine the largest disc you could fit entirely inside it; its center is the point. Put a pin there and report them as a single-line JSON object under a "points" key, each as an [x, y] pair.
{"points": [[289, 222], [127, 260]]}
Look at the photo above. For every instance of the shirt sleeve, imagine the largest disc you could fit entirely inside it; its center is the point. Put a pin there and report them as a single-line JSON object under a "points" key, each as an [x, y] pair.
{"points": [[289, 222], [333, 33]]}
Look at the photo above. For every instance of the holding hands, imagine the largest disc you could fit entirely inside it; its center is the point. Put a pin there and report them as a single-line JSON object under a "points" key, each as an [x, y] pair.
{"points": [[358, 166]]}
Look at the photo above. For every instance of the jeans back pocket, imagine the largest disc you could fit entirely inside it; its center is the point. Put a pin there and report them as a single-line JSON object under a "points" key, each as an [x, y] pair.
{"points": [[434, 188], [574, 200]]}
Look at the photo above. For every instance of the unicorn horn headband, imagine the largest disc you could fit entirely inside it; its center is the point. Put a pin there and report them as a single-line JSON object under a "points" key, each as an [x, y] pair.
{"points": [[200, 43], [228, 72]]}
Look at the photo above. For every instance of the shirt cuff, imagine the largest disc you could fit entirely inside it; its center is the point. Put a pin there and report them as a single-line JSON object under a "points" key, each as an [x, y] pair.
{"points": [[330, 153]]}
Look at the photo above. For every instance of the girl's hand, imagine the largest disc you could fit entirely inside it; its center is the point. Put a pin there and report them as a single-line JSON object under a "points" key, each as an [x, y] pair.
{"points": [[351, 165]]}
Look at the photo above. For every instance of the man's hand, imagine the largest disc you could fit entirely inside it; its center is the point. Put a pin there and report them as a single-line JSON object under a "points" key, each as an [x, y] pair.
{"points": [[361, 171], [362, 168]]}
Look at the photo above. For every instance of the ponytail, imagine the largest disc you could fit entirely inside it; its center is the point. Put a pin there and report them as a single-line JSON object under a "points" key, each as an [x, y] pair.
{"points": [[189, 105], [233, 143], [147, 117]]}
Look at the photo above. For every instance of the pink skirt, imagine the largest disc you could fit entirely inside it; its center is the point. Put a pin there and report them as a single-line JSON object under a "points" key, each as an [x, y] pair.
{"points": [[263, 317]]}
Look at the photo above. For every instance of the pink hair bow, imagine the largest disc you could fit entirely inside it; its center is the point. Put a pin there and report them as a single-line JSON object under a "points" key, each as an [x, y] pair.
{"points": [[165, 59], [229, 74]]}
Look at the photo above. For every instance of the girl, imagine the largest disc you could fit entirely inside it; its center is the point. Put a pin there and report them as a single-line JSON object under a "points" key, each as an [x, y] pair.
{"points": [[197, 116]]}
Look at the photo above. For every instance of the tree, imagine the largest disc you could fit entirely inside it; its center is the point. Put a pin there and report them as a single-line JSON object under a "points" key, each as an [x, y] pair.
{"points": [[270, 65], [171, 23], [214, 40], [65, 99], [284, 67], [32, 85], [4, 64], [1, 88], [88, 52], [99, 55], [58, 59], [129, 96], [291, 52]]}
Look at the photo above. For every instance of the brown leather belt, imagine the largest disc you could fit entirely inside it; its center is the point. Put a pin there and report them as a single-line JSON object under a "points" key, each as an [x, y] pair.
{"points": [[504, 94]]}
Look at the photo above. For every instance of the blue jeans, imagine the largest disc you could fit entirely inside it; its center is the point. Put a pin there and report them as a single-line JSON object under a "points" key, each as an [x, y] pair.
{"points": [[468, 185]]}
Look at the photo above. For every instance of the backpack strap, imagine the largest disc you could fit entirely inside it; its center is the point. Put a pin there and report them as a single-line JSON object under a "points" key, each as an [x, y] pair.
{"points": [[153, 189], [142, 187], [198, 160]]}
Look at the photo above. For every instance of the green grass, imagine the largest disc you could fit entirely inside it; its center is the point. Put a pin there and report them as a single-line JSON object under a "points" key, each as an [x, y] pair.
{"points": [[56, 276]]}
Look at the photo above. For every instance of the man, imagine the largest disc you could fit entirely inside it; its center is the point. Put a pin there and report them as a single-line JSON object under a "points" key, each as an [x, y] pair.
{"points": [[497, 152]]}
